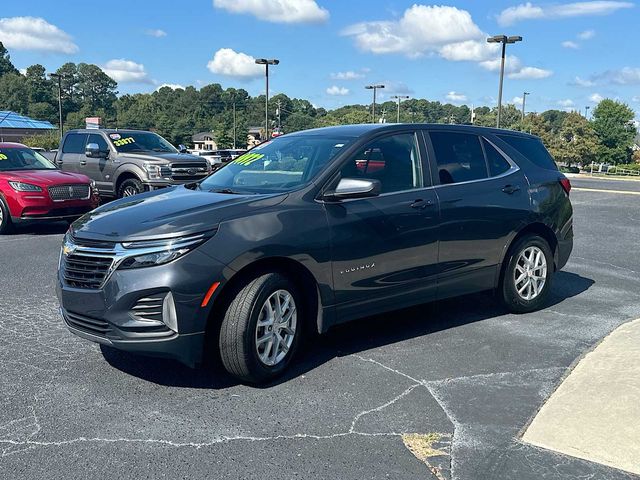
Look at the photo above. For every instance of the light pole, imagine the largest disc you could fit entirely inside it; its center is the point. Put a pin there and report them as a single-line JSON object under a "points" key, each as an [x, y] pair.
{"points": [[503, 39], [399, 98], [266, 62], [59, 78], [586, 112], [524, 101], [373, 109]]}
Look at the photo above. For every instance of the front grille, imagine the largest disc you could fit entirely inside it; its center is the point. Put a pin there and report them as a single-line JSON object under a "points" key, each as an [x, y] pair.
{"points": [[149, 309], [189, 170], [59, 193], [86, 270], [87, 324]]}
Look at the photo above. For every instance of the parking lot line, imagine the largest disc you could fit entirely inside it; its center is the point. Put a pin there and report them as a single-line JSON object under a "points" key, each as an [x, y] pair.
{"points": [[601, 190], [595, 413]]}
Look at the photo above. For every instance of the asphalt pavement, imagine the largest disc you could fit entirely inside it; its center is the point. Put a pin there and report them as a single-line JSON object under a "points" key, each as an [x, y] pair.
{"points": [[461, 371]]}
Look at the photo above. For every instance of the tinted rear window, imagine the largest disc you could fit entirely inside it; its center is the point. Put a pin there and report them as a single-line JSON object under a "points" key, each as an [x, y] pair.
{"points": [[74, 143], [533, 149]]}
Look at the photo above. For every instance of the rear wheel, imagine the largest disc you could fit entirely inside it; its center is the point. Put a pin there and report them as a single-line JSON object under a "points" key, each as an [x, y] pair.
{"points": [[5, 218], [130, 187], [526, 281], [261, 329]]}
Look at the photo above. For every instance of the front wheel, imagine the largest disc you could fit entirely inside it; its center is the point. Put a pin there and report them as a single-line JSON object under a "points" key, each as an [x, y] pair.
{"points": [[130, 187], [526, 281], [261, 329], [5, 218]]}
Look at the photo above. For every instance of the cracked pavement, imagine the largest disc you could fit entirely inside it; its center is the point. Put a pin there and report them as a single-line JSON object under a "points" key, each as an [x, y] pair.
{"points": [[462, 369]]}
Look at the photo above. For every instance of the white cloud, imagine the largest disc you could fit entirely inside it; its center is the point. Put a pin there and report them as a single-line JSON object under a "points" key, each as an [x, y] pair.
{"points": [[33, 33], [624, 76], [531, 73], [235, 64], [277, 11], [470, 50], [529, 11], [155, 32], [512, 64], [456, 97], [348, 75], [570, 44], [23, 71], [517, 100], [565, 103], [336, 90], [172, 86], [587, 35], [635, 99], [126, 71], [582, 82], [596, 98]]}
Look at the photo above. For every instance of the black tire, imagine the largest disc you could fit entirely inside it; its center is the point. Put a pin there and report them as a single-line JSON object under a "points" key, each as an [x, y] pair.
{"points": [[237, 340], [130, 185], [6, 225], [511, 299]]}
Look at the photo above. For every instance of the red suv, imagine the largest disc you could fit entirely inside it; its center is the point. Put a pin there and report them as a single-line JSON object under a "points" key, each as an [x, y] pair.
{"points": [[33, 188]]}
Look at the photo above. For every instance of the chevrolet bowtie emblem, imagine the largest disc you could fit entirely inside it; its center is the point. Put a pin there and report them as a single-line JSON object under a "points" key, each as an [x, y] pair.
{"points": [[68, 249]]}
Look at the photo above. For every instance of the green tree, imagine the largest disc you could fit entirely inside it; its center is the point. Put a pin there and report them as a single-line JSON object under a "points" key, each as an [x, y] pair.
{"points": [[14, 93], [39, 87], [5, 62], [612, 122], [95, 89], [576, 142]]}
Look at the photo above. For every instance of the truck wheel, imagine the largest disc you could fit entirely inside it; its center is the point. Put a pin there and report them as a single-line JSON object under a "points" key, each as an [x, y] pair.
{"points": [[526, 280], [5, 218], [261, 329], [130, 187]]}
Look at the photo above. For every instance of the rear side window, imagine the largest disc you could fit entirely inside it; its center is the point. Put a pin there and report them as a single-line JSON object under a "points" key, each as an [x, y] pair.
{"points": [[533, 149], [74, 143], [459, 157], [497, 163]]}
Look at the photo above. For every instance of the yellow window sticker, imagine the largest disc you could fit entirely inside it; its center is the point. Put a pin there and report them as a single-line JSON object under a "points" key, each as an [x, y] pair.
{"points": [[248, 158], [124, 141], [3, 156]]}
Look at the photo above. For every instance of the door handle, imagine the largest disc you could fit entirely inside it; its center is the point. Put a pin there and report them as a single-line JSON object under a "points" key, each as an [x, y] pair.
{"points": [[421, 204], [83, 162], [510, 189]]}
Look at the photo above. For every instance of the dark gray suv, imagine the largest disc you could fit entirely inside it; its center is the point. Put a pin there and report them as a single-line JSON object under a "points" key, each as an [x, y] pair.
{"points": [[128, 162], [313, 229]]}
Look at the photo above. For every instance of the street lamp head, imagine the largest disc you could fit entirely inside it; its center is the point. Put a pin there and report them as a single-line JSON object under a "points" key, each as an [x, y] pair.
{"points": [[267, 61], [514, 39], [369, 87], [54, 75], [497, 39]]}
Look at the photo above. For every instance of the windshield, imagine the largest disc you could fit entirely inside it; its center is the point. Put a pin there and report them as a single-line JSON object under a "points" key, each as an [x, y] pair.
{"points": [[277, 166], [140, 142], [23, 159]]}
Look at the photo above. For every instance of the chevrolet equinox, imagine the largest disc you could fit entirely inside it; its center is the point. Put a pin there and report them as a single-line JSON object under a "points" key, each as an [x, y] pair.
{"points": [[313, 229]]}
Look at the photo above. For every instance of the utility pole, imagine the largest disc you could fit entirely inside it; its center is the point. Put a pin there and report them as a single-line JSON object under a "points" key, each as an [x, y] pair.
{"points": [[524, 100], [503, 39], [399, 98], [234, 123], [266, 62], [586, 112], [373, 109], [58, 77], [278, 113], [473, 114]]}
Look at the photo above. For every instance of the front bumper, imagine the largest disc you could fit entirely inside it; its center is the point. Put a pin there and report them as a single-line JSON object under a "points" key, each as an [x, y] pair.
{"points": [[108, 315], [38, 206]]}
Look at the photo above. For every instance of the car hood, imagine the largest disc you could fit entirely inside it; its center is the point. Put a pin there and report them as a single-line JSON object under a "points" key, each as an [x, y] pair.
{"points": [[45, 178], [163, 157], [166, 213]]}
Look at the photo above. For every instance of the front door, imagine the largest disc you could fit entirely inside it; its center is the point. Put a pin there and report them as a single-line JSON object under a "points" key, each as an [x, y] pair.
{"points": [[97, 168], [384, 248], [484, 198]]}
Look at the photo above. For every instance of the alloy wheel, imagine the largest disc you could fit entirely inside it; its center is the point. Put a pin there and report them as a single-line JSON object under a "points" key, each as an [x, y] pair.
{"points": [[129, 191], [276, 327], [530, 273]]}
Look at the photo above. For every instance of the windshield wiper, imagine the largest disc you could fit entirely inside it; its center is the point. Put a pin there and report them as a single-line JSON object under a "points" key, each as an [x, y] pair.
{"points": [[228, 191]]}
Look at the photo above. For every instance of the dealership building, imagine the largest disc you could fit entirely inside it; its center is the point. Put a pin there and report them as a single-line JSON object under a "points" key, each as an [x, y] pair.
{"points": [[14, 127]]}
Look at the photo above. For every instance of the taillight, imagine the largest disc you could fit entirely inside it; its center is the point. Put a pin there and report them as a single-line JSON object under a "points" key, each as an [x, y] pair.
{"points": [[566, 184]]}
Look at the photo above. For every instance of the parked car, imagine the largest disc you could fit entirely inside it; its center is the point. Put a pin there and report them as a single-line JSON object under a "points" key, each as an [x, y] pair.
{"points": [[34, 189], [128, 162], [212, 156], [298, 235]]}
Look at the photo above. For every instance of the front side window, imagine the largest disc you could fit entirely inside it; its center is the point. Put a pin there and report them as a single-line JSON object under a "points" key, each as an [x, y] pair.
{"points": [[12, 159], [459, 157], [393, 160], [102, 143], [279, 165], [140, 142]]}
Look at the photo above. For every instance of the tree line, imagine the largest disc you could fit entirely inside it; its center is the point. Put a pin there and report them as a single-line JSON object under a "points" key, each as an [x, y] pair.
{"points": [[177, 114]]}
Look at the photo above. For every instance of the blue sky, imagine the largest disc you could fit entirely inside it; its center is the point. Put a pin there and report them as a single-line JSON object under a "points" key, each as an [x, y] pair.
{"points": [[572, 53]]}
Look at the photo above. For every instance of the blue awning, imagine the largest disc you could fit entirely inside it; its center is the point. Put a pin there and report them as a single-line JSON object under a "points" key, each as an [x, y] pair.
{"points": [[15, 120]]}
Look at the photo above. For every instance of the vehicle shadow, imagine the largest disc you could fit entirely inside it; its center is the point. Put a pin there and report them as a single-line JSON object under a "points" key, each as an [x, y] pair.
{"points": [[343, 340], [44, 228]]}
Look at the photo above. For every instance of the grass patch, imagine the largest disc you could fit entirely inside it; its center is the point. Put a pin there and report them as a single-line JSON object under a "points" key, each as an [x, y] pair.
{"points": [[421, 444]]}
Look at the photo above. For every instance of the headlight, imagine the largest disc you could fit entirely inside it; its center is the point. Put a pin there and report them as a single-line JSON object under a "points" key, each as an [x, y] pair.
{"points": [[156, 172], [159, 252], [24, 187]]}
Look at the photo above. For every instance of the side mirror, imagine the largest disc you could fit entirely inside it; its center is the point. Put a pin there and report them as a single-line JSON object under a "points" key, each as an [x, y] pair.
{"points": [[93, 151], [182, 148], [355, 188]]}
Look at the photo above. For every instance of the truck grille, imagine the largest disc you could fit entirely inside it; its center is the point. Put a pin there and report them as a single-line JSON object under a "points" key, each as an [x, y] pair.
{"points": [[60, 193], [186, 171]]}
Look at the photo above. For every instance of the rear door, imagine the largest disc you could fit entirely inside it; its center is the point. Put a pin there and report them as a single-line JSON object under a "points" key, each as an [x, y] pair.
{"points": [[72, 152], [483, 198], [384, 249]]}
